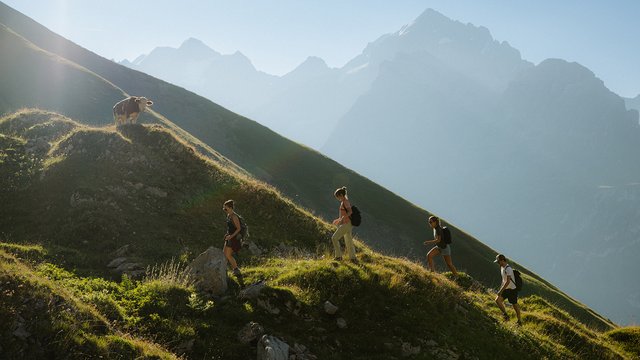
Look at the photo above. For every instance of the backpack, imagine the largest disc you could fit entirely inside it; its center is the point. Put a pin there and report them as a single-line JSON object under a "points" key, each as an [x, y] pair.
{"points": [[518, 279], [244, 229], [446, 235], [356, 217]]}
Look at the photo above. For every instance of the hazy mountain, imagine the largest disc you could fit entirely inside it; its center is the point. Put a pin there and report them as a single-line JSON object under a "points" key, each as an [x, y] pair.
{"points": [[633, 103], [519, 167]]}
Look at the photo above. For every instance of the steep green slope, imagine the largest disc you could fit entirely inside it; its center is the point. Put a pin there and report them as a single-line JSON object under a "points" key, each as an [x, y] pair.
{"points": [[40, 319], [391, 223], [95, 190]]}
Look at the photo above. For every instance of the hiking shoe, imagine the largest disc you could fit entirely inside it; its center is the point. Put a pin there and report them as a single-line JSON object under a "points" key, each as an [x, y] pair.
{"points": [[337, 258], [237, 272], [505, 317], [355, 261], [519, 323]]}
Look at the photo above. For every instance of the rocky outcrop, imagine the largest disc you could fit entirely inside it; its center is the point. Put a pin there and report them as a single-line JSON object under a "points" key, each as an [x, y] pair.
{"points": [[209, 270], [272, 348]]}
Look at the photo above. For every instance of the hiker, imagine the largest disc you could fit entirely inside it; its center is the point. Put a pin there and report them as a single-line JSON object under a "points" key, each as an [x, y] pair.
{"points": [[440, 248], [507, 289], [232, 239], [344, 226]]}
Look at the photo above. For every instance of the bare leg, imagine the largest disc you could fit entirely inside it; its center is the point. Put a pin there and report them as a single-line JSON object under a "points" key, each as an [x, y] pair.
{"points": [[500, 302], [516, 307], [447, 259], [228, 253], [432, 253]]}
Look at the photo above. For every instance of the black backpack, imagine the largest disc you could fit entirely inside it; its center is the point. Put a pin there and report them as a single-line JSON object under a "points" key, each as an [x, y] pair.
{"points": [[356, 217], [244, 229], [518, 279], [446, 235]]}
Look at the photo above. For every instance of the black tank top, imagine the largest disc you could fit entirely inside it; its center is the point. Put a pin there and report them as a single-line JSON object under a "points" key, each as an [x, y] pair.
{"points": [[231, 227]]}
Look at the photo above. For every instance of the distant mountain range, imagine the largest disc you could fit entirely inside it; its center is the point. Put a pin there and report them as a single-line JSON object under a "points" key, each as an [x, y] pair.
{"points": [[529, 157]]}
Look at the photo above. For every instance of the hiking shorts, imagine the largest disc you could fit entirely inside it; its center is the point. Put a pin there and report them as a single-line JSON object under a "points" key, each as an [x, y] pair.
{"points": [[234, 243], [511, 295], [446, 251]]}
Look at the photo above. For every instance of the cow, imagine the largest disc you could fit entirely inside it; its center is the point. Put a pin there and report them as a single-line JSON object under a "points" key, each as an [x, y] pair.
{"points": [[129, 109]]}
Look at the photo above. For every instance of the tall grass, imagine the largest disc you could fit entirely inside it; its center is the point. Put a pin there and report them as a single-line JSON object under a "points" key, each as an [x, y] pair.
{"points": [[170, 272]]}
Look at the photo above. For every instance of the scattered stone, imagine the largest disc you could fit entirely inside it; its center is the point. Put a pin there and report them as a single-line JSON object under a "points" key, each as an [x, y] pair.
{"points": [[122, 251], [185, 346], [461, 309], [300, 352], [342, 323], [20, 332], [431, 343], [409, 350], [129, 267], [272, 348], [250, 332], [209, 270], [254, 249], [329, 308], [266, 304], [252, 291], [156, 192], [117, 262]]}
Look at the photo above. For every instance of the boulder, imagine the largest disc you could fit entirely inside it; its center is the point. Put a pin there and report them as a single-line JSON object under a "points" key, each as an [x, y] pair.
{"points": [[252, 291], [342, 323], [250, 332], [329, 308], [272, 348], [117, 262], [209, 271]]}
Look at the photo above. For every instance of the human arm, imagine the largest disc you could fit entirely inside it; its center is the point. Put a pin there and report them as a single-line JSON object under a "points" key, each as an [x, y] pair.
{"points": [[347, 208]]}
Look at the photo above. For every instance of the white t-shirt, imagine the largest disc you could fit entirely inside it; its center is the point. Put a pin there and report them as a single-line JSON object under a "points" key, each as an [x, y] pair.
{"points": [[508, 271]]}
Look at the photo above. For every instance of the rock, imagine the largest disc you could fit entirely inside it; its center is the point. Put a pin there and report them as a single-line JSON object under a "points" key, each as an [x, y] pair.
{"points": [[342, 323], [252, 291], [209, 270], [117, 262], [409, 350], [21, 332], [329, 308], [122, 251], [431, 343], [265, 304], [461, 309], [272, 348], [300, 352], [185, 346], [250, 332], [254, 249], [156, 192], [129, 267]]}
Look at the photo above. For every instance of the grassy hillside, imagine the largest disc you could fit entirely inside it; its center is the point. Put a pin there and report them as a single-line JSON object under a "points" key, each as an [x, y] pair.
{"points": [[79, 193], [94, 190], [42, 319], [392, 308], [105, 205]]}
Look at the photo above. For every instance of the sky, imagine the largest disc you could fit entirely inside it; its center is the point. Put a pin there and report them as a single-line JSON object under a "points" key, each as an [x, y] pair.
{"points": [[278, 35]]}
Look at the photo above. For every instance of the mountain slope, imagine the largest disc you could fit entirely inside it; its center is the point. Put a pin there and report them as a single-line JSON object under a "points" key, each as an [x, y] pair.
{"points": [[81, 193], [391, 223]]}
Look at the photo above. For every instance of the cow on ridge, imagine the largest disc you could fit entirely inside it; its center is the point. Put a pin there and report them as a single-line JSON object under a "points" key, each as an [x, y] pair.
{"points": [[129, 109]]}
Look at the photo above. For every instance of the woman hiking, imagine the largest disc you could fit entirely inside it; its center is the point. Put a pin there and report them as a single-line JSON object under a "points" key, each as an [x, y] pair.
{"points": [[232, 239], [440, 247], [343, 222]]}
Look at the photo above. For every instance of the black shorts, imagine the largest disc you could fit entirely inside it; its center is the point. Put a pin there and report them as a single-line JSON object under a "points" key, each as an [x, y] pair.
{"points": [[511, 295], [234, 243]]}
